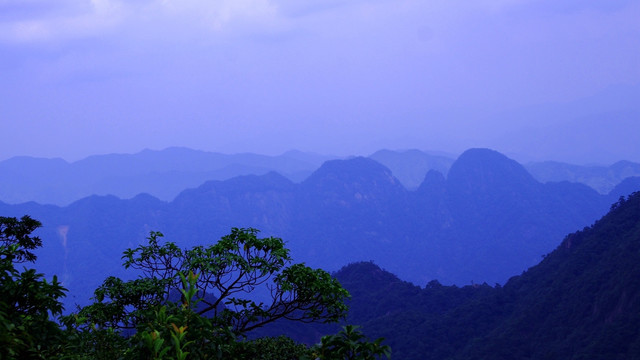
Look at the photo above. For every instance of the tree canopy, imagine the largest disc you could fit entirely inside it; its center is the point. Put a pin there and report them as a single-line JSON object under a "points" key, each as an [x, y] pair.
{"points": [[195, 303], [27, 299], [223, 277]]}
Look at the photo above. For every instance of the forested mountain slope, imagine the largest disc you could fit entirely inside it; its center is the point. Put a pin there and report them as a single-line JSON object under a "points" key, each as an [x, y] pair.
{"points": [[582, 301]]}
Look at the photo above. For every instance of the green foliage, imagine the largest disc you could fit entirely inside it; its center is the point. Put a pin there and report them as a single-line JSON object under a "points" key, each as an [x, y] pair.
{"points": [[92, 343], [226, 272], [272, 348], [27, 299], [16, 235], [141, 318], [197, 302], [350, 344]]}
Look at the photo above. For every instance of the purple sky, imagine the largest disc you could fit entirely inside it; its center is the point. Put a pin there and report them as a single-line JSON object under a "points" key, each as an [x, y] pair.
{"points": [[535, 79]]}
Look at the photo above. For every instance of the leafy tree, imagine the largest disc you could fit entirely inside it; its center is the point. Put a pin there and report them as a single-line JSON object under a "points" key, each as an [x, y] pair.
{"points": [[27, 299], [214, 285]]}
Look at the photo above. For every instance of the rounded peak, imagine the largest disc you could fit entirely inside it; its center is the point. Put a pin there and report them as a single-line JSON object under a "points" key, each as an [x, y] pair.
{"points": [[355, 160], [365, 272], [627, 186], [487, 160], [625, 165], [97, 201], [355, 173], [434, 176], [354, 165], [357, 181], [488, 170], [146, 198], [243, 183], [434, 179], [481, 154], [236, 186]]}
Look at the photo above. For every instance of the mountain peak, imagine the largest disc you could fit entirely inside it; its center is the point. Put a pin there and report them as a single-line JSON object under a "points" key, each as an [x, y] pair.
{"points": [[357, 170], [433, 181], [242, 184], [481, 170]]}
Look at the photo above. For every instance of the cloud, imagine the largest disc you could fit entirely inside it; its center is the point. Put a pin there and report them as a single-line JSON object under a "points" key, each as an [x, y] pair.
{"points": [[197, 68], [11, 10], [38, 21], [61, 20], [218, 15]]}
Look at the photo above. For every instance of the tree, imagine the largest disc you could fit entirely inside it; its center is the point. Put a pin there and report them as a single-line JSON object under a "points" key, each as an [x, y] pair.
{"points": [[187, 303], [203, 298], [27, 299]]}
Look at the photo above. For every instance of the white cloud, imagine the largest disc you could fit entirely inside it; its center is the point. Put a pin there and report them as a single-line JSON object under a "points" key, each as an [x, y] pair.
{"points": [[99, 17], [218, 15], [67, 20]]}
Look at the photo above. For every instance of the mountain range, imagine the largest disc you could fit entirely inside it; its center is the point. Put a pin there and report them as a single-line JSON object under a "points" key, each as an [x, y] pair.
{"points": [[486, 221], [162, 173], [601, 178], [166, 173]]}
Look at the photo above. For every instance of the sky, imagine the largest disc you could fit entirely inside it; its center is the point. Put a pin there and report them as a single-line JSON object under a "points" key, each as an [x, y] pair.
{"points": [[534, 79]]}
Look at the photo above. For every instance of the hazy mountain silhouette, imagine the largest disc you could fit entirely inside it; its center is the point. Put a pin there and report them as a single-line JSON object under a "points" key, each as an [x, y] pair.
{"points": [[512, 218], [163, 173], [203, 214], [353, 207], [601, 178], [488, 220], [410, 166], [627, 186]]}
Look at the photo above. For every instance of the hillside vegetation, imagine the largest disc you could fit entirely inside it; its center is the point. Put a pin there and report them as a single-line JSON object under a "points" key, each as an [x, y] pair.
{"points": [[582, 301]]}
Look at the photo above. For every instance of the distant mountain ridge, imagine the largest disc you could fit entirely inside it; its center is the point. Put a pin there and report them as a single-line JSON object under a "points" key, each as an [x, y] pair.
{"points": [[165, 173], [410, 166], [162, 173], [488, 220], [601, 178]]}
